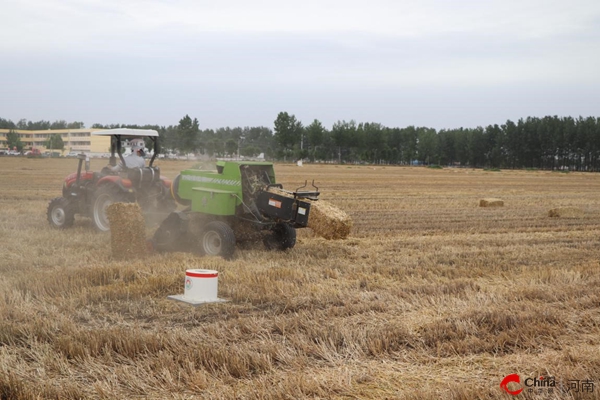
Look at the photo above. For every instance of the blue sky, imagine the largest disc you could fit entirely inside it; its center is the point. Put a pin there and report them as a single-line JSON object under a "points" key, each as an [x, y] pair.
{"points": [[441, 64]]}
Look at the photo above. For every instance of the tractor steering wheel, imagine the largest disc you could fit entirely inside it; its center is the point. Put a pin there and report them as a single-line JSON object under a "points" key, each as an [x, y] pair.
{"points": [[106, 171]]}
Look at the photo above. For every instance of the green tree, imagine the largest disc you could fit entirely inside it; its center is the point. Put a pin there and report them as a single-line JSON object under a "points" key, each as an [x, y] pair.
{"points": [[13, 140], [62, 124], [187, 134], [6, 124], [447, 149], [75, 125], [55, 142], [374, 140], [493, 142], [231, 147], [250, 151], [288, 132], [409, 139], [315, 132], [476, 146], [512, 145], [344, 135], [215, 147], [428, 145]]}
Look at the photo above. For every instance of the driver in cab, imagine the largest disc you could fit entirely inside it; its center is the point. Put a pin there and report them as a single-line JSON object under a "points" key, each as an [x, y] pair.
{"points": [[135, 159]]}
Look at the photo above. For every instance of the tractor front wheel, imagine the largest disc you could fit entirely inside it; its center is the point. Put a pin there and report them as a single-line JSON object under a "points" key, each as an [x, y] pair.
{"points": [[282, 237], [60, 213], [217, 239], [103, 198]]}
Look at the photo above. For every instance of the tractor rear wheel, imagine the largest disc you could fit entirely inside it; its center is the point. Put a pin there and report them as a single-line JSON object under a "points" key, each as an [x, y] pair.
{"points": [[217, 239], [103, 198], [282, 237], [60, 213]]}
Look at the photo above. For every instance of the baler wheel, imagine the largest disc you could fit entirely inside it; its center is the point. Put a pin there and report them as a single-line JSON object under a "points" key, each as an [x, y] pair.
{"points": [[217, 239], [282, 237]]}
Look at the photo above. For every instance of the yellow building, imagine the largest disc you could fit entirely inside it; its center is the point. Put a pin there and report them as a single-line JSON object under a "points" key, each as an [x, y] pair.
{"points": [[79, 140]]}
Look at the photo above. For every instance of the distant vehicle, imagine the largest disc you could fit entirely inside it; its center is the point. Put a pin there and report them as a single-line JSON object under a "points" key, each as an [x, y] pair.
{"points": [[73, 154], [33, 153], [14, 153]]}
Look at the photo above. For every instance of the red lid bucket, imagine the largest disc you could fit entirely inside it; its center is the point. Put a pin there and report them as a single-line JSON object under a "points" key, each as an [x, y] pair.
{"points": [[201, 284]]}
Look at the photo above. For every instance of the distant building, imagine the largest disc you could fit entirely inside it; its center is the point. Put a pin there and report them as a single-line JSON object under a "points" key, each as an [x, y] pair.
{"points": [[79, 140]]}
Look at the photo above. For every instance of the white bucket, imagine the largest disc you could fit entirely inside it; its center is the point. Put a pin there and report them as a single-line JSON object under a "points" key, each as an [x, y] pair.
{"points": [[200, 287], [201, 284]]}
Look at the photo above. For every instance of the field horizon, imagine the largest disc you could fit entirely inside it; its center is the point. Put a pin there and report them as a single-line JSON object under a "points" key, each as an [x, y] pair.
{"points": [[431, 296]]}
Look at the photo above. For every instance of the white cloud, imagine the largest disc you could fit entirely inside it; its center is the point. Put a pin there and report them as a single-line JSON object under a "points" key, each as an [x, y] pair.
{"points": [[43, 24]]}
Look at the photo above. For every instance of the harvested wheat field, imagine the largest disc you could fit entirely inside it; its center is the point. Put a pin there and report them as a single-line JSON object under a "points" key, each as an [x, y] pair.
{"points": [[429, 297]]}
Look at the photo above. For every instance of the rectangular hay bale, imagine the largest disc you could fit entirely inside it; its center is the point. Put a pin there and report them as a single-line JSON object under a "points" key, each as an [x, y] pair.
{"points": [[565, 212], [491, 202], [127, 231], [325, 219], [329, 221]]}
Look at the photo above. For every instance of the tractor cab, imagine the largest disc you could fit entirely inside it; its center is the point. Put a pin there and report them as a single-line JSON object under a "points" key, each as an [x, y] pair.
{"points": [[117, 136]]}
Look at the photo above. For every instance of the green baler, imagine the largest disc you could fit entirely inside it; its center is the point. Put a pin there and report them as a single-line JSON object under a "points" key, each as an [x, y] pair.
{"points": [[237, 202]]}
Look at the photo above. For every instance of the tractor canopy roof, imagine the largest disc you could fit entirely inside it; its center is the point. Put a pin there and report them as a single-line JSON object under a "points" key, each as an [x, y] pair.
{"points": [[127, 132], [222, 163]]}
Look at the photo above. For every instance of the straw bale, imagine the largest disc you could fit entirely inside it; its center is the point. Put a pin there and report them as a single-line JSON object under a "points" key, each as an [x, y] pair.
{"points": [[325, 219], [328, 221], [565, 212], [281, 192], [127, 231], [491, 202]]}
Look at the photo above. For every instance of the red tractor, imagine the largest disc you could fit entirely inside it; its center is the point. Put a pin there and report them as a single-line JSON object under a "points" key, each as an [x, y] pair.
{"points": [[88, 193]]}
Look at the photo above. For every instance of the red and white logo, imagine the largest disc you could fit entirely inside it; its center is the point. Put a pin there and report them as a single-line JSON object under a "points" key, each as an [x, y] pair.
{"points": [[542, 383], [512, 378]]}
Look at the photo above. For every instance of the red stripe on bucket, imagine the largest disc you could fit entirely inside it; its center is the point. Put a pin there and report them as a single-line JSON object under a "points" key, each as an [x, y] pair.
{"points": [[199, 275]]}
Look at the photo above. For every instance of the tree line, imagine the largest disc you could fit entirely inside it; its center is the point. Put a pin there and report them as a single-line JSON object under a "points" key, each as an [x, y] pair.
{"points": [[39, 125], [550, 142]]}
